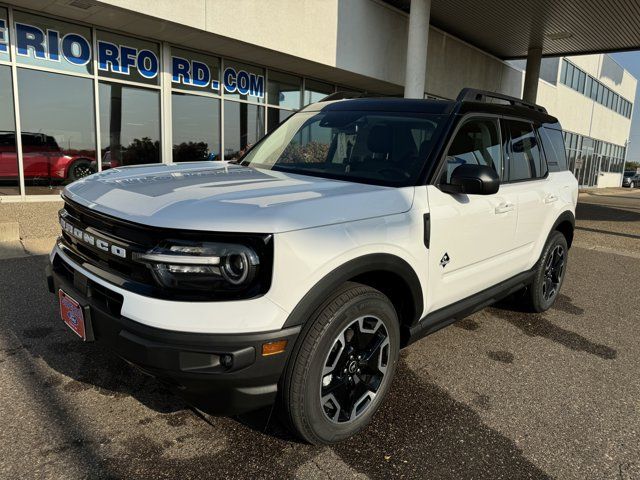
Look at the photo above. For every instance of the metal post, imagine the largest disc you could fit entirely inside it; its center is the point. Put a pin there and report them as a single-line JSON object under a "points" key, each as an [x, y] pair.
{"points": [[532, 74], [417, 40]]}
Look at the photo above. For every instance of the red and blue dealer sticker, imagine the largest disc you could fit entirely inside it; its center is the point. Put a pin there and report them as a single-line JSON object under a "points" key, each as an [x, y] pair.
{"points": [[72, 314]]}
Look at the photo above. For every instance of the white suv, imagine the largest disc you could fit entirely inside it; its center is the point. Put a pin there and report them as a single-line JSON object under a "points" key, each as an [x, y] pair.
{"points": [[298, 273]]}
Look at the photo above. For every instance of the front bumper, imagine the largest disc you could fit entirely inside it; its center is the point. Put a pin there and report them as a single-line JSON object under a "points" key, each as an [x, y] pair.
{"points": [[220, 373]]}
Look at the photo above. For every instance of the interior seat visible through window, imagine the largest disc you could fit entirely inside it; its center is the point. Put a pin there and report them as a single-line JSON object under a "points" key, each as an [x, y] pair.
{"points": [[476, 142]]}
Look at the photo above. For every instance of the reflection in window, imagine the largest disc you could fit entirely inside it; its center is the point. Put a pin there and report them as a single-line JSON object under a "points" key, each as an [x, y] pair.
{"points": [[284, 90], [9, 179], [525, 161], [129, 125], [315, 91], [476, 143], [276, 116], [58, 133], [243, 126], [196, 128]]}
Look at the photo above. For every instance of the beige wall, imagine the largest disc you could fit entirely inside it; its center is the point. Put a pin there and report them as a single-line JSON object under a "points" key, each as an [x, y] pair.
{"points": [[579, 114], [362, 37]]}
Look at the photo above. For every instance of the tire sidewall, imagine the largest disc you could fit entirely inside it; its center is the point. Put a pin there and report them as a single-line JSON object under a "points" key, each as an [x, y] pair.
{"points": [[367, 304]]}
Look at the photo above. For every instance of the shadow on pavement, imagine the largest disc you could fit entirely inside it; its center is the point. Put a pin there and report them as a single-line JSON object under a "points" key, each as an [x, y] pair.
{"points": [[607, 213], [537, 325]]}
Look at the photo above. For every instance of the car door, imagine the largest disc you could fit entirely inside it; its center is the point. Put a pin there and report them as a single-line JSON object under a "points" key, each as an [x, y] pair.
{"points": [[471, 236], [535, 192]]}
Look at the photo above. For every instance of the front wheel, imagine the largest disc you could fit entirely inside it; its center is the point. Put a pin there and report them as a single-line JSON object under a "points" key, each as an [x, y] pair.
{"points": [[341, 369], [632, 185], [549, 273]]}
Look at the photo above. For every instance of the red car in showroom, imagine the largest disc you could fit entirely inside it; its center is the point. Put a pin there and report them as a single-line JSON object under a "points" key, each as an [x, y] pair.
{"points": [[43, 159]]}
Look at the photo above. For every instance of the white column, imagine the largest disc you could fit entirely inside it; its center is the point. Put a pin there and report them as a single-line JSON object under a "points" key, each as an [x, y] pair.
{"points": [[531, 75], [416, 67]]}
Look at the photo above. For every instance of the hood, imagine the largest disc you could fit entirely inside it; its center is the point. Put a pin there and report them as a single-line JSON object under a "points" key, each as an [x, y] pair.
{"points": [[222, 197]]}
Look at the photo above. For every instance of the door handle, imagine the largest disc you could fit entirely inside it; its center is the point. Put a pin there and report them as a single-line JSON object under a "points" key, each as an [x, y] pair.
{"points": [[505, 207], [550, 199]]}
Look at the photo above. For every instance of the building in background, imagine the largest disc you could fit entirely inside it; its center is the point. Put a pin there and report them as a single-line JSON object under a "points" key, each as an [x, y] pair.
{"points": [[592, 96], [88, 85]]}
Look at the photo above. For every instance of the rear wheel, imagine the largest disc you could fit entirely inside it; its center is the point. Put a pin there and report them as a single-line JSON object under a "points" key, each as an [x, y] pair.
{"points": [[341, 369], [549, 273]]}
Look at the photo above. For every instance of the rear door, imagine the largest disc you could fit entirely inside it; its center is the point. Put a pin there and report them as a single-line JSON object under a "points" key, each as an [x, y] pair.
{"points": [[471, 236], [535, 192]]}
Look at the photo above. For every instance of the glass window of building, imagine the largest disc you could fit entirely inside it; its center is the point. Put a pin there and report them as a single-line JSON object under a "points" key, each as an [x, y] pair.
{"points": [[129, 125], [58, 129], [128, 58], [243, 127], [275, 116], [4, 34], [195, 71], [196, 127], [9, 178], [315, 91], [243, 82], [51, 43], [284, 90]]}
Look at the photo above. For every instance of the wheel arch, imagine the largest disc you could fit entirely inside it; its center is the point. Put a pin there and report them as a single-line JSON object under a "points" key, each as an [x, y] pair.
{"points": [[565, 224], [387, 273]]}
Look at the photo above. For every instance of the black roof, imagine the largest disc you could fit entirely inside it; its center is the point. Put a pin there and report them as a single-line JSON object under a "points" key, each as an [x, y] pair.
{"points": [[437, 107]]}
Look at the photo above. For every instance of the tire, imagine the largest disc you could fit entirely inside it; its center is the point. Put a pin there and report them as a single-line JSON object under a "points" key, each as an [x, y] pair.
{"points": [[549, 274], [79, 169], [632, 185], [316, 383]]}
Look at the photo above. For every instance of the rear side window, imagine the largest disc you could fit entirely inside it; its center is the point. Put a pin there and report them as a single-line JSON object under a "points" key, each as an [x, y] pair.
{"points": [[477, 142], [554, 150], [525, 158]]}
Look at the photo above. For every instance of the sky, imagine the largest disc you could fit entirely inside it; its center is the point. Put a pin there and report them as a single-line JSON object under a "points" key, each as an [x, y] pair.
{"points": [[631, 61]]}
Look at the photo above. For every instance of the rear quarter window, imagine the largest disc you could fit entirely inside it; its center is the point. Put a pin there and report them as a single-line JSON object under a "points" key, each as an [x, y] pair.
{"points": [[554, 149]]}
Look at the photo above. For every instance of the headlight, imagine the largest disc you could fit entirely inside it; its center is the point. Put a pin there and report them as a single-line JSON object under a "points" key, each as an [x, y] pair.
{"points": [[202, 266]]}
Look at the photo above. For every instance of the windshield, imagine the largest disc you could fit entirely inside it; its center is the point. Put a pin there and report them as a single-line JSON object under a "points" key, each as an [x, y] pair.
{"points": [[368, 147], [629, 174]]}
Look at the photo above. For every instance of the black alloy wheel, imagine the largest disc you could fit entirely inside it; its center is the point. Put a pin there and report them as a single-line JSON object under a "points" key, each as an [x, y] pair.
{"points": [[354, 369]]}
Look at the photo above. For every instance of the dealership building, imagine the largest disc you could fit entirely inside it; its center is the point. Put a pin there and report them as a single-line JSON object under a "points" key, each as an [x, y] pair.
{"points": [[87, 85]]}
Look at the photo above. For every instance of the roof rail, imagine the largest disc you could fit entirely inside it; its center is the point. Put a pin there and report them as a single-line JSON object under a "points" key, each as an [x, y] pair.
{"points": [[474, 95]]}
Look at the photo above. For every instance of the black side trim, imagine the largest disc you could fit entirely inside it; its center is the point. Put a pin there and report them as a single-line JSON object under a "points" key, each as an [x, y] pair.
{"points": [[427, 229], [434, 321], [359, 266]]}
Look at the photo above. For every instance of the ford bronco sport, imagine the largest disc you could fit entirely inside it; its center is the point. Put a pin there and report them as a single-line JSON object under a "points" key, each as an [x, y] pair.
{"points": [[298, 273]]}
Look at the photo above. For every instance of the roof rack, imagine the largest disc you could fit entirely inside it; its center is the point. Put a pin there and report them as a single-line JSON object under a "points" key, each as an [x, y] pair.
{"points": [[474, 95]]}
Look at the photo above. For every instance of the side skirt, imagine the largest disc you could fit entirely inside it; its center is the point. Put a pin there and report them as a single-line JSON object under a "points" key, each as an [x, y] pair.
{"points": [[434, 321]]}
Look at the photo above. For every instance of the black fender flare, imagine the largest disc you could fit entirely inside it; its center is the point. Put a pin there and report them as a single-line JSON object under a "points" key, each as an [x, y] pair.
{"points": [[358, 266], [566, 216]]}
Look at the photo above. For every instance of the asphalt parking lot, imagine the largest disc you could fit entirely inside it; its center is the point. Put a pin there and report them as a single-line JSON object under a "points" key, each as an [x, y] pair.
{"points": [[502, 394]]}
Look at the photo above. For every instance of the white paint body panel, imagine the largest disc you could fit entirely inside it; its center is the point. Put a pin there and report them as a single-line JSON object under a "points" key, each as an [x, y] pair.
{"points": [[319, 225]]}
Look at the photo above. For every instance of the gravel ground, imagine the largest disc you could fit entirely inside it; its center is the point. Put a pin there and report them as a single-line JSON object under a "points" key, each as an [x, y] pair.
{"points": [[501, 394]]}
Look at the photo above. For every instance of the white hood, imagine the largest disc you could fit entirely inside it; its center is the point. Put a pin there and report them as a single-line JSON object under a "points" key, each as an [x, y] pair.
{"points": [[217, 196]]}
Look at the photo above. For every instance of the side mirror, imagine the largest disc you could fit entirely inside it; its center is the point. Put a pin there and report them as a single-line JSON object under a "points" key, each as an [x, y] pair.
{"points": [[473, 180]]}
